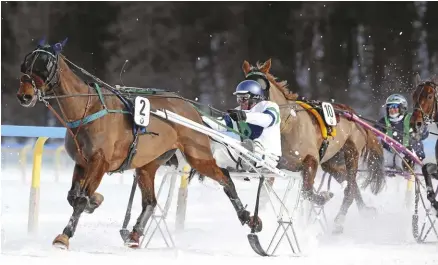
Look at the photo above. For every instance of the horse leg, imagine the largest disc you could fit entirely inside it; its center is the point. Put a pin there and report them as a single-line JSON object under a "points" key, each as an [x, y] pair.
{"points": [[310, 167], [352, 164], [82, 196], [363, 208], [335, 168], [339, 172], [95, 200], [210, 169], [146, 177]]}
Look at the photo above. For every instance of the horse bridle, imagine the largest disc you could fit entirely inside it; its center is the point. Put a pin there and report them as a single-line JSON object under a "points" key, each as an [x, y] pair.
{"points": [[254, 73], [52, 67], [427, 117], [51, 81]]}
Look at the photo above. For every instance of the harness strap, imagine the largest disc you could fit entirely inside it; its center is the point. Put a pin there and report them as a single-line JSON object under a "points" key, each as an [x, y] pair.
{"points": [[97, 115], [88, 119], [78, 149], [324, 130]]}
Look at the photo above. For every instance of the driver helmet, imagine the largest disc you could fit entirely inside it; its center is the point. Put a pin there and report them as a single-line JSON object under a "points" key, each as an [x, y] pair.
{"points": [[396, 107], [249, 93]]}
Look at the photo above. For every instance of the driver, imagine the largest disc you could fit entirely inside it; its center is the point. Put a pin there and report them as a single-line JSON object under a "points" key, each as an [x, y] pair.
{"points": [[261, 115], [395, 124]]}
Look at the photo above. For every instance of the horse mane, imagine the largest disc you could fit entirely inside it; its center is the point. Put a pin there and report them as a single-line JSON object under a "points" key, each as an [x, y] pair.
{"points": [[283, 86], [340, 106], [289, 95]]}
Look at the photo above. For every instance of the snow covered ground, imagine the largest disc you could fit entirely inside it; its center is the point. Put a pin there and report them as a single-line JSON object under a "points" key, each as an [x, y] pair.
{"points": [[212, 231]]}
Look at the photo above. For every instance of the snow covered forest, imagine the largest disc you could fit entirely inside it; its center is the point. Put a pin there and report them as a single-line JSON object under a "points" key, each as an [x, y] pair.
{"points": [[353, 52]]}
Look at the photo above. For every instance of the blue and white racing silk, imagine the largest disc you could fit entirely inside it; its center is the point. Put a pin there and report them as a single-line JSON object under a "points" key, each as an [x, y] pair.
{"points": [[264, 122]]}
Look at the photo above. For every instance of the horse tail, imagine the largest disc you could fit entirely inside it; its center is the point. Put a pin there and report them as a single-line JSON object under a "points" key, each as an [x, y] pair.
{"points": [[374, 158]]}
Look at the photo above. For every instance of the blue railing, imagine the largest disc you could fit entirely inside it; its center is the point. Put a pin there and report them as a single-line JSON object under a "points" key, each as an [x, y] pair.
{"points": [[59, 132], [32, 131], [42, 134]]}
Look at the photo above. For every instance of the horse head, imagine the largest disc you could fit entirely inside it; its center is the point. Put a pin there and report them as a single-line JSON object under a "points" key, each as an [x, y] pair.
{"points": [[425, 102], [275, 90], [40, 72]]}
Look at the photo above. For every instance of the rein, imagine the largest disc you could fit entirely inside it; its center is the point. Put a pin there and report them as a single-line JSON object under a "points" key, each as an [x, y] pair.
{"points": [[54, 77], [114, 91], [337, 110]]}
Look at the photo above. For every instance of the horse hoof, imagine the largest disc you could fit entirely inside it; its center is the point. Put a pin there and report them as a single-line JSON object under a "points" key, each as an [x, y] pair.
{"points": [[95, 201], [61, 242], [133, 241], [338, 230], [368, 212], [322, 198], [132, 244], [327, 195], [257, 225]]}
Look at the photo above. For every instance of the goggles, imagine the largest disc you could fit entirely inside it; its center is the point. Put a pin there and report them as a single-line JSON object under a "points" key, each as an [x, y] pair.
{"points": [[393, 106], [241, 98]]}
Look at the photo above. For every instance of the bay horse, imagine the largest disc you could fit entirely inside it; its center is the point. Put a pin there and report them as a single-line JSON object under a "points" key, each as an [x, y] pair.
{"points": [[424, 98], [100, 137], [301, 140]]}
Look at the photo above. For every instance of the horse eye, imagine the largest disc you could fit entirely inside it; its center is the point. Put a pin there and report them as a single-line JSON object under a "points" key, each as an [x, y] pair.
{"points": [[430, 96]]}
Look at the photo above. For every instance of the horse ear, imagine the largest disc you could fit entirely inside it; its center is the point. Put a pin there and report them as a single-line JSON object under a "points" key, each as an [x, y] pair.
{"points": [[64, 42], [59, 46], [266, 66], [42, 41], [435, 79], [417, 80], [246, 67]]}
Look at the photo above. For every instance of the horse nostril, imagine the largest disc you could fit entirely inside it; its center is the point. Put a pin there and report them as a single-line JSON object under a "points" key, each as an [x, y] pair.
{"points": [[419, 124]]}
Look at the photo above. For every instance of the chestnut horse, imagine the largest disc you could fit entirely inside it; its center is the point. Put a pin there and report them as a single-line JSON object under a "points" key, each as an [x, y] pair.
{"points": [[301, 140], [425, 102], [100, 134]]}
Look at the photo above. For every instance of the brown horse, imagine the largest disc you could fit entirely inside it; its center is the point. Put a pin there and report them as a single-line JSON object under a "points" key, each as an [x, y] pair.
{"points": [[302, 138], [425, 102], [100, 134]]}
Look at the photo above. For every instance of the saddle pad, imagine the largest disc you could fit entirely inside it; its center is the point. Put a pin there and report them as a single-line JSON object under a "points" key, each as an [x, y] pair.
{"points": [[324, 128]]}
